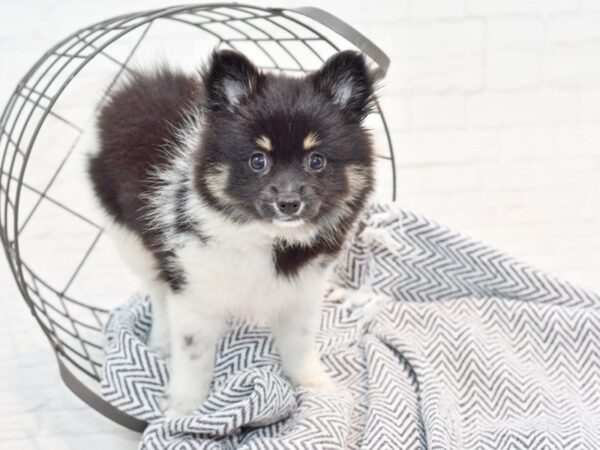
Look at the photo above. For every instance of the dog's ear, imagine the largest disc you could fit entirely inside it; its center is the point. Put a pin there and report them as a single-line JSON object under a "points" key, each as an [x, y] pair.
{"points": [[229, 78], [345, 78]]}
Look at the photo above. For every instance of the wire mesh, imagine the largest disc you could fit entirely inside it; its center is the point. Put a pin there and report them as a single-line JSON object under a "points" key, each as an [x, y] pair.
{"points": [[51, 234]]}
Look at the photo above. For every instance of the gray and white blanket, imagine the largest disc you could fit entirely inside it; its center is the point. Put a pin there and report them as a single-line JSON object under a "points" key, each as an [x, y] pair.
{"points": [[436, 341]]}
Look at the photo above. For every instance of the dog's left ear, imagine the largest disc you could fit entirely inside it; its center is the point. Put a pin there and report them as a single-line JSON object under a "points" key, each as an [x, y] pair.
{"points": [[345, 78]]}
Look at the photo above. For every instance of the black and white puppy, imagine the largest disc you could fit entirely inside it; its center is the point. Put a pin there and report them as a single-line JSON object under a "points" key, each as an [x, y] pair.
{"points": [[230, 194]]}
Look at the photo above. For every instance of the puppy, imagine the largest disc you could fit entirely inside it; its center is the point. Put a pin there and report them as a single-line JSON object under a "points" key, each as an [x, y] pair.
{"points": [[231, 193]]}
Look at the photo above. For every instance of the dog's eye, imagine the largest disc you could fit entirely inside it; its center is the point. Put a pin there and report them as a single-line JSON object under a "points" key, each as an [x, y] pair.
{"points": [[316, 161], [258, 161]]}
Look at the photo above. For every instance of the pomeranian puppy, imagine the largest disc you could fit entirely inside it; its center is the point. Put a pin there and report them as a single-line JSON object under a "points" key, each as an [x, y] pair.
{"points": [[231, 193]]}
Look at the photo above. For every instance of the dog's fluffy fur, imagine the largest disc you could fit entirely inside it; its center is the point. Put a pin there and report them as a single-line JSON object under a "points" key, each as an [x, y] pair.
{"points": [[231, 193]]}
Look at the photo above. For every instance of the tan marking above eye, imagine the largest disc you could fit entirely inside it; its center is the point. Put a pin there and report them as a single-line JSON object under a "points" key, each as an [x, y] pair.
{"points": [[311, 140], [264, 142]]}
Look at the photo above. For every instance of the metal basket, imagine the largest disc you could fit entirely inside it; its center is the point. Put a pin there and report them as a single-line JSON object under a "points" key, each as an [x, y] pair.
{"points": [[52, 237]]}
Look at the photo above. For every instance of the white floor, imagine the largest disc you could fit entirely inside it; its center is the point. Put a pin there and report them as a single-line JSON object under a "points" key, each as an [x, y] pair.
{"points": [[495, 119]]}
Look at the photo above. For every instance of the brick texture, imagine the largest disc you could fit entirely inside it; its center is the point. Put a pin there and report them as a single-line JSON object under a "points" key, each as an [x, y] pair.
{"points": [[494, 108]]}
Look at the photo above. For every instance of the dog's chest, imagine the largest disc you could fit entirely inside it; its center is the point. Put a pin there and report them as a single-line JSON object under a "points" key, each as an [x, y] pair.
{"points": [[242, 280]]}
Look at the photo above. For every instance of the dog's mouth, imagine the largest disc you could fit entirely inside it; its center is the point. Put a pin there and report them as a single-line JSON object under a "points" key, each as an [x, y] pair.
{"points": [[288, 222], [268, 212]]}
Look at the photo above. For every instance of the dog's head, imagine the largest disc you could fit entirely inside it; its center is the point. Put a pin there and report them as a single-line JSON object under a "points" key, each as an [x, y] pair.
{"points": [[289, 152]]}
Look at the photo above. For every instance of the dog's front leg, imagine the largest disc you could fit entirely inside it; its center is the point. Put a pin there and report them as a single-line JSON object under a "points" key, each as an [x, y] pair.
{"points": [[295, 332], [195, 334]]}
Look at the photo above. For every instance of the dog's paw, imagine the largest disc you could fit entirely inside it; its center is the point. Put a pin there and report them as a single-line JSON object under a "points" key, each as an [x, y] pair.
{"points": [[179, 405], [163, 402], [179, 408], [336, 294], [174, 411], [313, 376], [317, 378]]}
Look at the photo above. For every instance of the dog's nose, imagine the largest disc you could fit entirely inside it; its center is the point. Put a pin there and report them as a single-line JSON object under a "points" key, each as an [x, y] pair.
{"points": [[289, 203]]}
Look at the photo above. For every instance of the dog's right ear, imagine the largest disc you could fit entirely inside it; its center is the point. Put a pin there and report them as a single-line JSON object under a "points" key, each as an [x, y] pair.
{"points": [[229, 78]]}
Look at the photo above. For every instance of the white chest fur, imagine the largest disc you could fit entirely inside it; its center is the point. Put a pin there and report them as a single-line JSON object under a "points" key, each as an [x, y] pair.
{"points": [[234, 274]]}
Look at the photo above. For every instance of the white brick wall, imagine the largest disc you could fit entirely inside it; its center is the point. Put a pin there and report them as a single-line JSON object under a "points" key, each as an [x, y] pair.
{"points": [[514, 31], [512, 69], [494, 107], [517, 107], [590, 105], [437, 110], [574, 28], [494, 7]]}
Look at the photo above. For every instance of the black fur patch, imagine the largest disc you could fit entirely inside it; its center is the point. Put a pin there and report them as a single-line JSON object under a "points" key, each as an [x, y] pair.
{"points": [[289, 260], [188, 340], [134, 126], [170, 269]]}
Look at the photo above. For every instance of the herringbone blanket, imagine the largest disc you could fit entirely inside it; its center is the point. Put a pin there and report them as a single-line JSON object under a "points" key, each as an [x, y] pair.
{"points": [[436, 341]]}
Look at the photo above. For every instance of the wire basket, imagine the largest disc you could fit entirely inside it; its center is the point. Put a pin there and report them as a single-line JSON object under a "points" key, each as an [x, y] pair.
{"points": [[52, 232]]}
